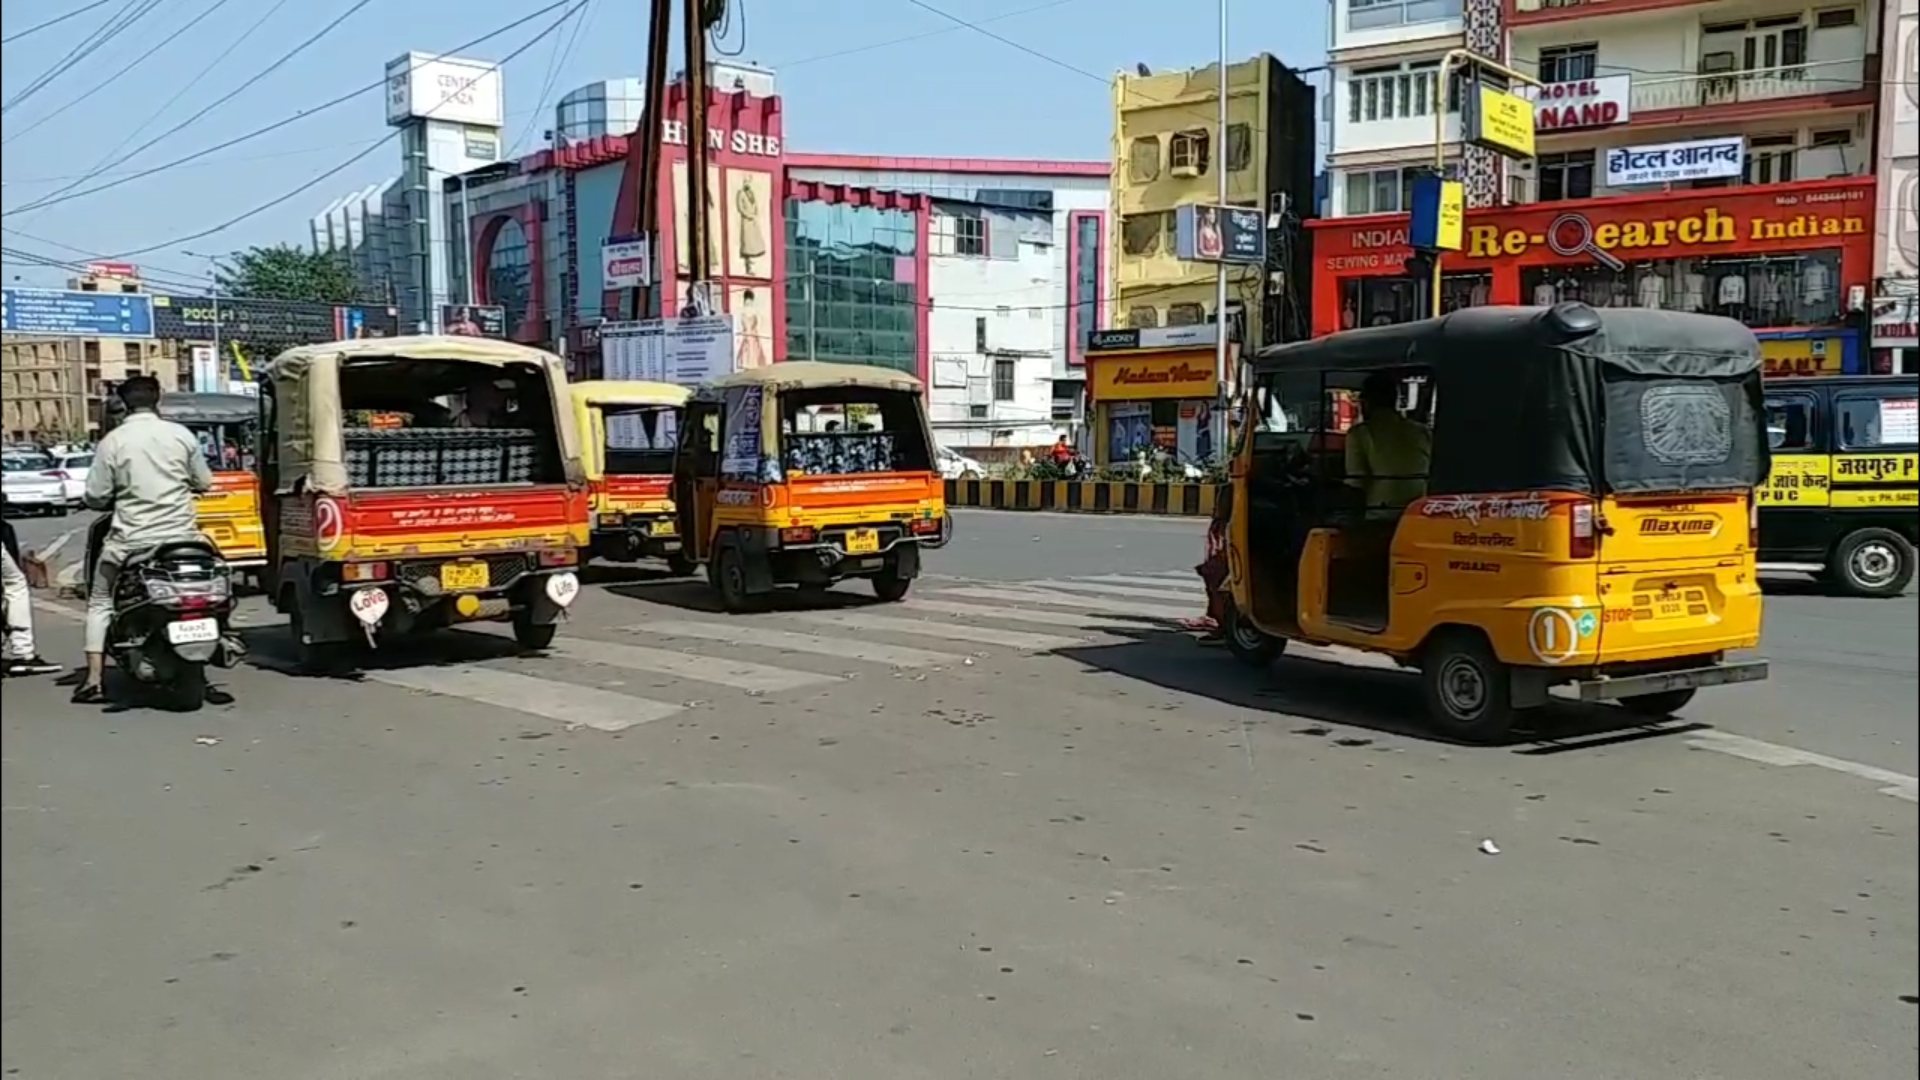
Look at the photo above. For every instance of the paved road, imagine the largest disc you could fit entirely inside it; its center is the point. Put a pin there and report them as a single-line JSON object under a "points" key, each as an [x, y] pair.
{"points": [[1030, 832]]}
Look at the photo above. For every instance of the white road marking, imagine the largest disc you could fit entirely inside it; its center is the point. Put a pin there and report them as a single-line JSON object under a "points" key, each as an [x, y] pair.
{"points": [[1077, 586], [791, 641], [1898, 785], [739, 674], [1109, 605], [1188, 582], [1077, 620], [565, 703], [985, 635]]}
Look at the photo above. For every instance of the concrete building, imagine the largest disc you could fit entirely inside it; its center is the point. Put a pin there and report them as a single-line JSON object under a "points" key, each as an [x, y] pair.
{"points": [[1164, 158], [1896, 305], [42, 395], [1696, 155], [996, 325]]}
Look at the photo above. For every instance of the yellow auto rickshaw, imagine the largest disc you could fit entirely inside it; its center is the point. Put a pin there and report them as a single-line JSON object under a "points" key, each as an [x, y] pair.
{"points": [[805, 474], [229, 515], [1536, 497], [628, 431], [467, 503]]}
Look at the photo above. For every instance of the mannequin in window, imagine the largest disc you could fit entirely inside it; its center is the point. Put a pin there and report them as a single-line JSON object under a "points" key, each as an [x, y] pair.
{"points": [[1651, 290], [1693, 289], [1732, 292], [1816, 291], [1545, 295]]}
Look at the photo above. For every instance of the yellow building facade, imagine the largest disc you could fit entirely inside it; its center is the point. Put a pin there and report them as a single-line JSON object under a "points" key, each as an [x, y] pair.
{"points": [[1165, 131]]}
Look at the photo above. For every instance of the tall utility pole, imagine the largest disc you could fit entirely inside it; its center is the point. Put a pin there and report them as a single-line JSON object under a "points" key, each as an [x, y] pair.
{"points": [[1221, 350], [652, 123], [696, 18]]}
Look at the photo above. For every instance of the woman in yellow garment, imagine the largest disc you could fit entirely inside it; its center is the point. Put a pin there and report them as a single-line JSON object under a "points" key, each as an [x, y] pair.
{"points": [[1387, 454]]}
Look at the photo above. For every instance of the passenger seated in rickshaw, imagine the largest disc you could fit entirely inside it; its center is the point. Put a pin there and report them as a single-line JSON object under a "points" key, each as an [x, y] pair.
{"points": [[1387, 459], [484, 405]]}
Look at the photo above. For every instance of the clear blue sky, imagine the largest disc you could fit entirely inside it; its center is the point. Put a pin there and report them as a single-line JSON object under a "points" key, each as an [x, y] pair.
{"points": [[954, 93]]}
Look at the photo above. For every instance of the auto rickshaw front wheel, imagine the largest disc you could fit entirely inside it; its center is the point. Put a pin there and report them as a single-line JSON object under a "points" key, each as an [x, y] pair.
{"points": [[1469, 691]]}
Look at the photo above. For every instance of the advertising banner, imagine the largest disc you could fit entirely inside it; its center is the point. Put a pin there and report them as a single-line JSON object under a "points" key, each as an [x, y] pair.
{"points": [[1222, 234], [1581, 103], [683, 351], [474, 320], [423, 86], [269, 323]]}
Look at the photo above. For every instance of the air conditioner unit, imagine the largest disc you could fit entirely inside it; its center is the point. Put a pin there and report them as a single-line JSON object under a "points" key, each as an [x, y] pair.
{"points": [[1185, 172]]}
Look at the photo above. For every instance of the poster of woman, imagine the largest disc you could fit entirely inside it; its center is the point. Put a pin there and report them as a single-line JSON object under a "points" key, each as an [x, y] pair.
{"points": [[750, 208], [1208, 243], [752, 327]]}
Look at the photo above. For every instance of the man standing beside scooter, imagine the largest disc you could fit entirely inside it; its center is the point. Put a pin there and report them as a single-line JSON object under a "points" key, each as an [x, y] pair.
{"points": [[146, 473]]}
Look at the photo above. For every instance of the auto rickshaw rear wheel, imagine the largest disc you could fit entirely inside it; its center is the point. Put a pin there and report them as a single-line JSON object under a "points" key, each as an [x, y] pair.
{"points": [[1248, 643], [1469, 691], [311, 657], [529, 634], [889, 585], [681, 565]]}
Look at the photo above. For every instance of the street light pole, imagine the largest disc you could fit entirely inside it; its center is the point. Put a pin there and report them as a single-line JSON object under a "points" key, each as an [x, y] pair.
{"points": [[1463, 58], [1221, 351]]}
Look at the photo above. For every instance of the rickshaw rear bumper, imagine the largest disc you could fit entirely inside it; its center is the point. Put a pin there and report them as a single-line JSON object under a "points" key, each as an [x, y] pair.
{"points": [[1614, 688]]}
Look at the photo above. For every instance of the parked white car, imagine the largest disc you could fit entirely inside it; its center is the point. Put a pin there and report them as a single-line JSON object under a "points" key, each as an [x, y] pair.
{"points": [[32, 485], [958, 466], [75, 466]]}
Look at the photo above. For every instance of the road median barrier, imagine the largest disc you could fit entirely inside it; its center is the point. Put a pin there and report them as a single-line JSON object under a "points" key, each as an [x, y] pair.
{"points": [[1164, 499]]}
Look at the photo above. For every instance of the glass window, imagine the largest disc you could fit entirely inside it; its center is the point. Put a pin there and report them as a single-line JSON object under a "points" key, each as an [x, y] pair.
{"points": [[1375, 14], [1003, 380], [852, 292], [1569, 63], [1767, 291], [1140, 233], [1083, 292], [1790, 424], [1566, 176], [1876, 422], [1239, 147]]}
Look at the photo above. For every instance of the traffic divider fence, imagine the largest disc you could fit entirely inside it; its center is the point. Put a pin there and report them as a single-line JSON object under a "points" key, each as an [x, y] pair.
{"points": [[1172, 499]]}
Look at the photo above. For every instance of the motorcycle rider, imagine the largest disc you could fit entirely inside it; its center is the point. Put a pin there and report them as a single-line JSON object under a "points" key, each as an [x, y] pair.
{"points": [[146, 472]]}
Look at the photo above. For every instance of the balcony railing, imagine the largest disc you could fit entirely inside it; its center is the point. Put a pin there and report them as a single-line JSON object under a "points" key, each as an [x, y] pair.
{"points": [[1744, 87]]}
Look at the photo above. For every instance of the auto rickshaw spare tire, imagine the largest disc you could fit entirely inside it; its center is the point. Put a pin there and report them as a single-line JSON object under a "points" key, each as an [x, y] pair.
{"points": [[728, 575], [889, 585], [1659, 705], [529, 634], [1872, 562], [1248, 643], [1469, 690]]}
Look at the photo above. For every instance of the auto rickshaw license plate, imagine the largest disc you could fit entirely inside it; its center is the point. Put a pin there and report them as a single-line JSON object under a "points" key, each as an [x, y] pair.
{"points": [[863, 542], [461, 576], [664, 528]]}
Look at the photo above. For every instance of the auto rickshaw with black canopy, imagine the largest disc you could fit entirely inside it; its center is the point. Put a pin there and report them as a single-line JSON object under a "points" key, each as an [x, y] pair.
{"points": [[1585, 518], [804, 474]]}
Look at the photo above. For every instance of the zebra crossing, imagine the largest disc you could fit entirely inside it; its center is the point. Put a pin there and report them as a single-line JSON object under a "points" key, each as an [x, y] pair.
{"points": [[652, 669]]}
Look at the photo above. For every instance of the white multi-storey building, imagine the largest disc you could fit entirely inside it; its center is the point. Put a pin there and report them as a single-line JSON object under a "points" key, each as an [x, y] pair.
{"points": [[1383, 61], [1896, 307]]}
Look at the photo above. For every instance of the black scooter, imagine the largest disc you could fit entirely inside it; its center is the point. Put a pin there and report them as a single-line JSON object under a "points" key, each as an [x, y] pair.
{"points": [[172, 614]]}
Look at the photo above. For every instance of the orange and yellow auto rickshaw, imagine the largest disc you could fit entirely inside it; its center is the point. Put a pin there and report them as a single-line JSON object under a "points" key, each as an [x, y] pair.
{"points": [[628, 430], [804, 474], [472, 508]]}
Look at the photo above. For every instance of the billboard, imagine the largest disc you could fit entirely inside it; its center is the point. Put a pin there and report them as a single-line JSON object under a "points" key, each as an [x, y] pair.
{"points": [[474, 320], [423, 86], [271, 323], [70, 313], [1222, 234]]}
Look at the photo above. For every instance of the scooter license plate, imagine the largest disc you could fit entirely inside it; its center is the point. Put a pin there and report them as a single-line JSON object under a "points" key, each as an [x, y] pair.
{"points": [[193, 631]]}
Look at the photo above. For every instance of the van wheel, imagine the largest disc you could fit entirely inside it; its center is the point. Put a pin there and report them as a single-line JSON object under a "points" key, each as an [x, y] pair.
{"points": [[1660, 705], [1872, 562], [727, 573], [1469, 691], [889, 586], [1248, 643]]}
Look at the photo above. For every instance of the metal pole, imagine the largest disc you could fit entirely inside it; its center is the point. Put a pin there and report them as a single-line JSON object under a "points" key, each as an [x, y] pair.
{"points": [[1221, 350], [213, 279], [1442, 96]]}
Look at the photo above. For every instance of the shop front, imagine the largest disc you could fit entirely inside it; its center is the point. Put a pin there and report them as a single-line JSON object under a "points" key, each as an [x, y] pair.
{"points": [[1792, 261], [1155, 389], [1896, 331]]}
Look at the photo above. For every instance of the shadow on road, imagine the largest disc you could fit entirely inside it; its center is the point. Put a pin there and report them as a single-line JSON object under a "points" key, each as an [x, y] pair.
{"points": [[1328, 692], [270, 648], [692, 594]]}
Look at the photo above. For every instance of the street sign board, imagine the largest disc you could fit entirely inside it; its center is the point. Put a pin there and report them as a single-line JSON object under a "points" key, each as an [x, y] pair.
{"points": [[66, 313]]}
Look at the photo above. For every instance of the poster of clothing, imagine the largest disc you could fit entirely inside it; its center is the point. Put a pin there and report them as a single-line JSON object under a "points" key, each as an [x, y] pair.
{"points": [[751, 215], [715, 220], [752, 326], [1129, 429]]}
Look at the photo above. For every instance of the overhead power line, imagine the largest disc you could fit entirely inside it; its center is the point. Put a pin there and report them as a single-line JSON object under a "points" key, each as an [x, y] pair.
{"points": [[55, 21], [122, 71], [131, 12], [56, 198], [552, 28], [277, 64]]}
